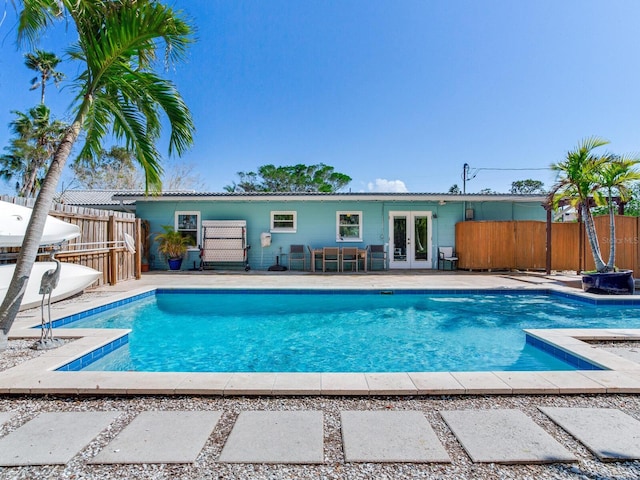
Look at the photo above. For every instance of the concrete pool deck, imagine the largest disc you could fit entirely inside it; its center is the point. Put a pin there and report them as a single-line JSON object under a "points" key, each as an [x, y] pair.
{"points": [[38, 376]]}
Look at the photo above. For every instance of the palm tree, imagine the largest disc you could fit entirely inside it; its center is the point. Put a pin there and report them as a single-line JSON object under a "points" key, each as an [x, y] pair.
{"points": [[617, 177], [583, 177], [578, 181], [117, 45], [45, 64], [36, 138]]}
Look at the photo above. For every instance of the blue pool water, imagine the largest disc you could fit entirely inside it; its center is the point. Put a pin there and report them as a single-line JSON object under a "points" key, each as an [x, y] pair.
{"points": [[343, 331]]}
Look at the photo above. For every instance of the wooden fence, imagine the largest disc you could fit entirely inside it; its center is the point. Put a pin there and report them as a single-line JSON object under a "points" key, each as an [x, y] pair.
{"points": [[521, 245], [100, 245]]}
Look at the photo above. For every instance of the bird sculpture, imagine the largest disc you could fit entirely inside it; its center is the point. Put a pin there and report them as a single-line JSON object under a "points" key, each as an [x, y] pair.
{"points": [[48, 283]]}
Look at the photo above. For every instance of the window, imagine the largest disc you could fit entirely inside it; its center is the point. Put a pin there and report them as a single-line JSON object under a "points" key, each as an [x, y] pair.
{"points": [[189, 224], [284, 222], [349, 227]]}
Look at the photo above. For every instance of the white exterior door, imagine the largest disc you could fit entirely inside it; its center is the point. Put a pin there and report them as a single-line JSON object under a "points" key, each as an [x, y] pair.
{"points": [[410, 240]]}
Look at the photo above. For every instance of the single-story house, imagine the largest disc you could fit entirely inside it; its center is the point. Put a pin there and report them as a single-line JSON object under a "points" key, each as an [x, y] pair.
{"points": [[410, 226]]}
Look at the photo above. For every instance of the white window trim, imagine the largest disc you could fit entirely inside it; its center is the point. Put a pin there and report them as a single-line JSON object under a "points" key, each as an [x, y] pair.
{"points": [[198, 223], [294, 229], [360, 225]]}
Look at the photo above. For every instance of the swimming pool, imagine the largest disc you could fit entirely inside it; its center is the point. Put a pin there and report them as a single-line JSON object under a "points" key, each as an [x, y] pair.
{"points": [[349, 331]]}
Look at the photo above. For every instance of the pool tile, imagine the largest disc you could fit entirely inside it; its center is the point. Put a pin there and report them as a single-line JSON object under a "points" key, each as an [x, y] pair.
{"points": [[250, 384], [390, 384], [436, 383], [481, 383], [344, 384], [390, 436], [527, 382], [571, 382], [202, 383], [290, 437], [297, 384]]}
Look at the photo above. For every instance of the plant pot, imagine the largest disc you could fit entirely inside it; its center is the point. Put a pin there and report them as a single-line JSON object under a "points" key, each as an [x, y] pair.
{"points": [[175, 263], [144, 267], [610, 283]]}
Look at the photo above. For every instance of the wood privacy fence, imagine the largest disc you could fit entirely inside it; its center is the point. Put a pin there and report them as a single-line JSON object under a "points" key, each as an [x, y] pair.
{"points": [[521, 245], [101, 243]]}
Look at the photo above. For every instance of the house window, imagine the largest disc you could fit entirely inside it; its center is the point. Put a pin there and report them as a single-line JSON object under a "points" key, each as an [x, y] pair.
{"points": [[349, 226], [189, 224], [284, 222]]}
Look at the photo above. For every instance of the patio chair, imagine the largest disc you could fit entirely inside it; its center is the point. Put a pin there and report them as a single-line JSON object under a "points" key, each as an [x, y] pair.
{"points": [[446, 256], [330, 255], [377, 254], [350, 256], [297, 254]]}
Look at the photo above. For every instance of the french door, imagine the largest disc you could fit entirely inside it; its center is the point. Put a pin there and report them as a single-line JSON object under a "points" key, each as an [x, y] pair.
{"points": [[410, 240]]}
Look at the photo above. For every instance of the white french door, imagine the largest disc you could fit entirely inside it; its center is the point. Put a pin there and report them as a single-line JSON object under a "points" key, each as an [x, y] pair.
{"points": [[410, 240]]}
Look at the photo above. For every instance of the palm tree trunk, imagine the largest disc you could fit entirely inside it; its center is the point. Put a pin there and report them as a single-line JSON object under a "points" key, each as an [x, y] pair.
{"points": [[11, 304], [612, 237], [593, 239]]}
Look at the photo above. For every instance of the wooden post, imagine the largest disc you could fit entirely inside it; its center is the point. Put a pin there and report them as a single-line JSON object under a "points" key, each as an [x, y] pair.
{"points": [[113, 253], [137, 259]]}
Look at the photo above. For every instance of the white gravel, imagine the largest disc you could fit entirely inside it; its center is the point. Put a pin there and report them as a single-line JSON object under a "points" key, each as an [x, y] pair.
{"points": [[334, 466]]}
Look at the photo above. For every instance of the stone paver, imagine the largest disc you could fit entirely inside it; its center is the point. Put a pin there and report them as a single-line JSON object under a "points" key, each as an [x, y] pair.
{"points": [[52, 438], [609, 433], [275, 437], [390, 436], [161, 437], [5, 417], [504, 436]]}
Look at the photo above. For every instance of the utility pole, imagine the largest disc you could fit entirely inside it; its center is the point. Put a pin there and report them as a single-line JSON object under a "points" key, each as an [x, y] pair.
{"points": [[465, 174]]}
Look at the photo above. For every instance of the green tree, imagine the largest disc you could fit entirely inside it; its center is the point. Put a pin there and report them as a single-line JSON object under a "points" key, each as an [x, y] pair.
{"points": [[583, 176], [27, 157], [454, 189], [117, 44], [45, 64], [529, 186], [294, 178], [111, 169], [616, 178]]}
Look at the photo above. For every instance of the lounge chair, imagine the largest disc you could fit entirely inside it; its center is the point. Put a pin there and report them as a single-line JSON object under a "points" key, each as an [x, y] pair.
{"points": [[446, 256], [297, 254], [350, 256]]}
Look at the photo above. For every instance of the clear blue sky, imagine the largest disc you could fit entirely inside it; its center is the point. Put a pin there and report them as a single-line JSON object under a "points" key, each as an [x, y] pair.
{"points": [[392, 93]]}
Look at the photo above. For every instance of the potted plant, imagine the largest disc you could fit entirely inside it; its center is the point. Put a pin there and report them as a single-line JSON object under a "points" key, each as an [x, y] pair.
{"points": [[585, 178], [173, 245]]}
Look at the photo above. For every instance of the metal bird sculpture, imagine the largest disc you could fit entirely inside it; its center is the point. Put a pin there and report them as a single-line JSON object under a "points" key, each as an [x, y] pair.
{"points": [[48, 283]]}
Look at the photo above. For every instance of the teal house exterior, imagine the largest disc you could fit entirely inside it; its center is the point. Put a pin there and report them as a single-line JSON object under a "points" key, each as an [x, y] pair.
{"points": [[410, 226]]}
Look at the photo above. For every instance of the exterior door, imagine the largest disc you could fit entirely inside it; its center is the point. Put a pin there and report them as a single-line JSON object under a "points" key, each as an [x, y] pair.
{"points": [[410, 240]]}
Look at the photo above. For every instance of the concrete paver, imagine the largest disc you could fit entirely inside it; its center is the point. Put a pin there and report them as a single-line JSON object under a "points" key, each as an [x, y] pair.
{"points": [[609, 433], [52, 438], [504, 436], [390, 436], [161, 437], [275, 437]]}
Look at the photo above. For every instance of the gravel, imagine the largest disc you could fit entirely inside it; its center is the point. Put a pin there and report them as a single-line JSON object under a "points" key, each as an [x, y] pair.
{"points": [[334, 466]]}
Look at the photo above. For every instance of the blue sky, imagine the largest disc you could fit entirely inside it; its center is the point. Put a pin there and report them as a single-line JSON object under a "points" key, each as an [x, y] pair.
{"points": [[396, 94]]}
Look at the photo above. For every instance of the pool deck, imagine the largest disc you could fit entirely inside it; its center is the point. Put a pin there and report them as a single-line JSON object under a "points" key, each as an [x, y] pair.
{"points": [[38, 376]]}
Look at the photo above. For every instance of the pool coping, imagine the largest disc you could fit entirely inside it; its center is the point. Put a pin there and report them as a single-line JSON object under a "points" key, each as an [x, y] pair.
{"points": [[39, 376]]}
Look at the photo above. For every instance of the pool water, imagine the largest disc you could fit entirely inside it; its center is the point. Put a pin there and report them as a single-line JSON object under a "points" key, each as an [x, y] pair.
{"points": [[342, 332]]}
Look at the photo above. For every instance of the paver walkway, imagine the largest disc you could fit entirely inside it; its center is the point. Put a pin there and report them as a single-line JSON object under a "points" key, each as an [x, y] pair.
{"points": [[294, 437]]}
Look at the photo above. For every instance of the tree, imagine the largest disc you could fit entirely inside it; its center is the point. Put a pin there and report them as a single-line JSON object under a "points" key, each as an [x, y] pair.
{"points": [[486, 191], [454, 189], [294, 178], [112, 169], [529, 186], [181, 176], [581, 177], [27, 156], [118, 41], [616, 176], [45, 64]]}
